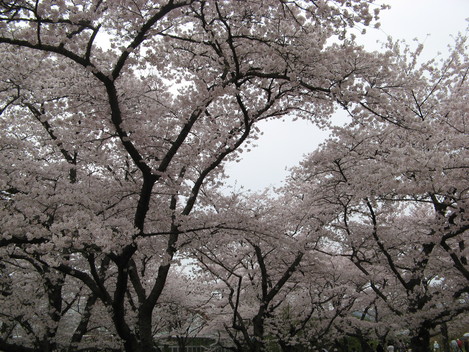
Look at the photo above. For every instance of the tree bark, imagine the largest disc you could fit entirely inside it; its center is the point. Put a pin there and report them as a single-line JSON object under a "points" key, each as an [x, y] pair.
{"points": [[145, 331], [420, 341], [258, 327], [445, 339]]}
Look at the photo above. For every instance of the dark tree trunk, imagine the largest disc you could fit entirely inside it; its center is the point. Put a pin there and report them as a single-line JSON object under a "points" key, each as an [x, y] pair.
{"points": [[82, 327], [365, 346], [258, 327], [420, 341], [445, 339], [289, 348], [145, 332], [182, 343]]}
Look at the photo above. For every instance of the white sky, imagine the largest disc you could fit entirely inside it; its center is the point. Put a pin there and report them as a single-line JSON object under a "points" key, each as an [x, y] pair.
{"points": [[284, 144]]}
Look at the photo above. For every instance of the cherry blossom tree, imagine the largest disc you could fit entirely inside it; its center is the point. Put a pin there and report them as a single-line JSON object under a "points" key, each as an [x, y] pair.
{"points": [[394, 184], [243, 262], [320, 311], [275, 287], [184, 308], [115, 115]]}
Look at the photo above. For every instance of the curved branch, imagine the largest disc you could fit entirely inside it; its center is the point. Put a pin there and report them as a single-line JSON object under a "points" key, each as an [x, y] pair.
{"points": [[141, 35]]}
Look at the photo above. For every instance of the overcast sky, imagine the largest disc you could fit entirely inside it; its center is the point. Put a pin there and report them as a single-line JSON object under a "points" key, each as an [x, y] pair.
{"points": [[284, 144]]}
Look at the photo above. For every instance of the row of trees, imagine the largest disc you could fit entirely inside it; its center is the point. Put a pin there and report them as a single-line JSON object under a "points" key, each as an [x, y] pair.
{"points": [[116, 120]]}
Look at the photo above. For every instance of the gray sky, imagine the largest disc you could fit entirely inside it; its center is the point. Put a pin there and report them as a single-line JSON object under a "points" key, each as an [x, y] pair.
{"points": [[284, 144]]}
